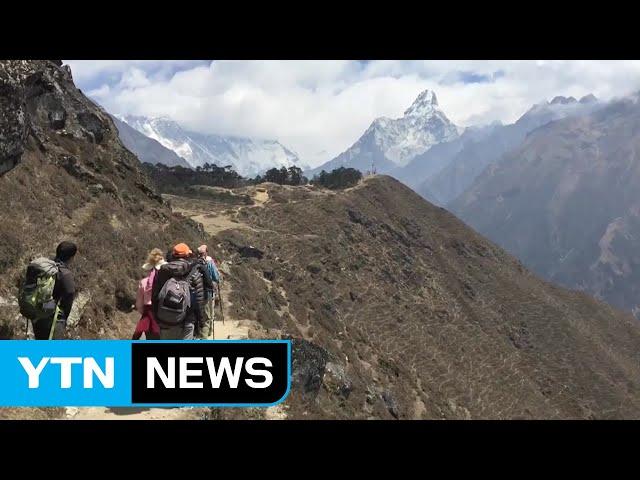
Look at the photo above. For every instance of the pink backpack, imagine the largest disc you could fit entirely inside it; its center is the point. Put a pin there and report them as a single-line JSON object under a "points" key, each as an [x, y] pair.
{"points": [[147, 285]]}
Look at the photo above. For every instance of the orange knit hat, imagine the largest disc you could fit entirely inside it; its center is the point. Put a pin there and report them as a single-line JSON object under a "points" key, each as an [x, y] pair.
{"points": [[181, 250]]}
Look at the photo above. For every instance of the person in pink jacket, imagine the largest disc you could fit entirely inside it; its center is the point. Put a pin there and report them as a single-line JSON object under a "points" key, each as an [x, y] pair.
{"points": [[147, 323]]}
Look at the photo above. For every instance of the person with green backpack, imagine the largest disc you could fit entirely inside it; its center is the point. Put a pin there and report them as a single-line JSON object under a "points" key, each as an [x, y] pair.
{"points": [[48, 291]]}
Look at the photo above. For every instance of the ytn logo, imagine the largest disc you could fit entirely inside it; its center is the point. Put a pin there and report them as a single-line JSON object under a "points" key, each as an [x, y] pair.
{"points": [[90, 369], [125, 373]]}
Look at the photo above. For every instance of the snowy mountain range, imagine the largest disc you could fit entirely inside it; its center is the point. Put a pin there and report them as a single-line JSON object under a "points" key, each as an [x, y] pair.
{"points": [[147, 149], [247, 156], [391, 143]]}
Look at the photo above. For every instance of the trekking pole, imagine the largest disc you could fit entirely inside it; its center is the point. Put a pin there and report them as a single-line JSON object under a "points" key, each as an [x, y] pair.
{"points": [[53, 324], [212, 335], [220, 301]]}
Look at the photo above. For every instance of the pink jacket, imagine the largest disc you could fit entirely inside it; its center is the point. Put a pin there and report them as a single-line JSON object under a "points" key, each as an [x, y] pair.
{"points": [[144, 291]]}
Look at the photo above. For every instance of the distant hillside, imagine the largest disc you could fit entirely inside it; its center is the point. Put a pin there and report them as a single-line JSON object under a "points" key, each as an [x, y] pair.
{"points": [[179, 180], [566, 202], [403, 311], [473, 151]]}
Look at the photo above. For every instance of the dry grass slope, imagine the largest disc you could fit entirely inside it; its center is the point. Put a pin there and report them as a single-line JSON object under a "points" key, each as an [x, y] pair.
{"points": [[417, 315]]}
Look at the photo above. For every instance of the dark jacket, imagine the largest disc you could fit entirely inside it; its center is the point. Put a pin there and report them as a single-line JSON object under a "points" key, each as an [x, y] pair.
{"points": [[64, 290], [198, 294], [199, 281]]}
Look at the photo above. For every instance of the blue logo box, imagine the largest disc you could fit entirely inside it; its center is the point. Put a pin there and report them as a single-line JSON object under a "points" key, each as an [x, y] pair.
{"points": [[84, 373]]}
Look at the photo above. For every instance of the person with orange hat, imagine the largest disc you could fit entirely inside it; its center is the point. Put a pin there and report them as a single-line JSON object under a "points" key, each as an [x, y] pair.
{"points": [[178, 294]]}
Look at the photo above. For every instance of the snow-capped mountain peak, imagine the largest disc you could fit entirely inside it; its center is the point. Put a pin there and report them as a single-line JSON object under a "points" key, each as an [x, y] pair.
{"points": [[389, 143], [559, 107], [422, 126], [247, 156], [425, 104]]}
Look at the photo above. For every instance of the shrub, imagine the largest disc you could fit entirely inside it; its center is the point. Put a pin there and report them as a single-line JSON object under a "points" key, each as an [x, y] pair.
{"points": [[338, 178]]}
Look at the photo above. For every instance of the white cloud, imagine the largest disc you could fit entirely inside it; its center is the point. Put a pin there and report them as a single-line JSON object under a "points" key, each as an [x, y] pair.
{"points": [[100, 93], [134, 78], [85, 71], [324, 106]]}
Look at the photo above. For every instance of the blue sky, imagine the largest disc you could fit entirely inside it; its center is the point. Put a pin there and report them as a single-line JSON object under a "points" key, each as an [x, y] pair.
{"points": [[319, 108]]}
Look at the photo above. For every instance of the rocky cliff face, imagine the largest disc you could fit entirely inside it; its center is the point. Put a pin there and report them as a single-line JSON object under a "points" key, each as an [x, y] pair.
{"points": [[66, 176]]}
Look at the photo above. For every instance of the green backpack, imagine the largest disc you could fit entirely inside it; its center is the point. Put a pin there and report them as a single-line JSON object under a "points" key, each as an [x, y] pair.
{"points": [[36, 295]]}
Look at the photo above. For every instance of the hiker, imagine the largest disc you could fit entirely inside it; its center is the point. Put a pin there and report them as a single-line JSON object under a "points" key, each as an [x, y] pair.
{"points": [[209, 309], [147, 323], [178, 295], [203, 283], [47, 295]]}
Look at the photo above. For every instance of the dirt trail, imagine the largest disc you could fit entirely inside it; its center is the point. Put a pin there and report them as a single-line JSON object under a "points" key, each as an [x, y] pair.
{"points": [[231, 329], [123, 413], [261, 196]]}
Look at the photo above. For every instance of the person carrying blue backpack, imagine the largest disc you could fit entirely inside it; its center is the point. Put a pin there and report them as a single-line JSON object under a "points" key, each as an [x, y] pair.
{"points": [[206, 330]]}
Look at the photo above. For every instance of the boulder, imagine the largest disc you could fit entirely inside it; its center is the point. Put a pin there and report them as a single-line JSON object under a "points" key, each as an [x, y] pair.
{"points": [[57, 119], [248, 251], [336, 381], [307, 365], [92, 125]]}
